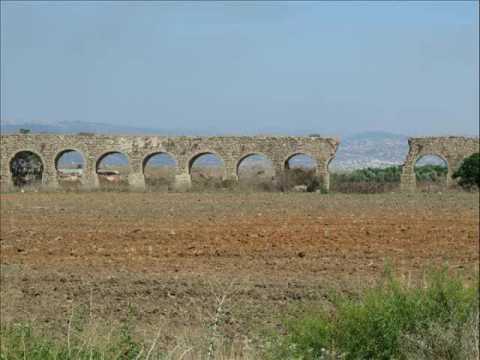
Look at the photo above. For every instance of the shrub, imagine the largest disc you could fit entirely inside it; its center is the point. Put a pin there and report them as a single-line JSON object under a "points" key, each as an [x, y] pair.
{"points": [[369, 180], [444, 341], [377, 325], [301, 176], [375, 180], [469, 172], [431, 173]]}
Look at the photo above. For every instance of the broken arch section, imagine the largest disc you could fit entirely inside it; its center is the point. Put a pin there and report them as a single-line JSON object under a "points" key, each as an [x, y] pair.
{"points": [[256, 171], [207, 171], [26, 168], [431, 171], [301, 170], [159, 170], [112, 169], [70, 166]]}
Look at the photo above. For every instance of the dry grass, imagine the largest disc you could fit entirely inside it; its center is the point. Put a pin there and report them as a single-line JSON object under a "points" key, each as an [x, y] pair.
{"points": [[89, 337]]}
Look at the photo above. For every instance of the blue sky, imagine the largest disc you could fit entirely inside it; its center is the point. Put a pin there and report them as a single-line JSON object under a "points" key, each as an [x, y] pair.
{"points": [[244, 68]]}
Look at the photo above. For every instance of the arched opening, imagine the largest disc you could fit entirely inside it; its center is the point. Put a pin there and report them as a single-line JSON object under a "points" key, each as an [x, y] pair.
{"points": [[431, 173], [159, 170], [112, 170], [256, 171], [207, 171], [301, 171], [26, 168], [70, 165]]}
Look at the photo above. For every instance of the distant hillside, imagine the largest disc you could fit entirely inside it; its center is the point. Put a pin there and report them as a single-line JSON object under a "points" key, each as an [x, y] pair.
{"points": [[73, 127]]}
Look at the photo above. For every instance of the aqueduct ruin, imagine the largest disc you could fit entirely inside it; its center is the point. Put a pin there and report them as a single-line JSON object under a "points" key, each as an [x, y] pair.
{"points": [[138, 149], [231, 150], [451, 149]]}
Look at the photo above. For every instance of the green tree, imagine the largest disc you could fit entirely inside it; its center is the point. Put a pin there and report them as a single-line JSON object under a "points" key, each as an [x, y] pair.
{"points": [[25, 131], [469, 172]]}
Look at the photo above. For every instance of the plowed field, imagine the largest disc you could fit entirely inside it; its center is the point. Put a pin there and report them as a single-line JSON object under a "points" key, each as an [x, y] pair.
{"points": [[171, 256]]}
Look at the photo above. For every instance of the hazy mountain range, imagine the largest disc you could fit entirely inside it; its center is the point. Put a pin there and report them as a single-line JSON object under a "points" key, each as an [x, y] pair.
{"points": [[368, 149], [73, 127]]}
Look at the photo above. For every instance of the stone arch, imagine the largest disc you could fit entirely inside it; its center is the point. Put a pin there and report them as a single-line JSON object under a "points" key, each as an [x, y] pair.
{"points": [[105, 154], [249, 154], [434, 179], [329, 162], [67, 150], [70, 177], [450, 149], [199, 154], [159, 178], [114, 177], [22, 174], [422, 155], [206, 176], [259, 174], [150, 155], [287, 159], [300, 175]]}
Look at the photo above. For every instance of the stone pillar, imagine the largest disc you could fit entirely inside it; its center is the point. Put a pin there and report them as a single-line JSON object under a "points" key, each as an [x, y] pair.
{"points": [[408, 180], [136, 178], [279, 174], [183, 179], [450, 182], [453, 163], [322, 173], [136, 181], [50, 178], [90, 180], [183, 182], [89, 176], [6, 181], [230, 171]]}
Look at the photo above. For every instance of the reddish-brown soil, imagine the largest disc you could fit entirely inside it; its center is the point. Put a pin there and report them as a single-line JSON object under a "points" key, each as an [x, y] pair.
{"points": [[169, 256]]}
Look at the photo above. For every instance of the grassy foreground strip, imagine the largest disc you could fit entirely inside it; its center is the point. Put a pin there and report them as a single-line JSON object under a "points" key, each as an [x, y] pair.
{"points": [[438, 320]]}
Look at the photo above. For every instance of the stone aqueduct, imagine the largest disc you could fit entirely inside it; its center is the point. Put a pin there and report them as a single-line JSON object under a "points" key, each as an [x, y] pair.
{"points": [[451, 149], [183, 149], [232, 150]]}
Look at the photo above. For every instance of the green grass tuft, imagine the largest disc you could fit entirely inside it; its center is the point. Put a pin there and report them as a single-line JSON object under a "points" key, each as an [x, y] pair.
{"points": [[384, 320]]}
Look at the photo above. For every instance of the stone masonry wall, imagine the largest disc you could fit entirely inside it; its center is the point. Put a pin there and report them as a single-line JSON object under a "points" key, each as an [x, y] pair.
{"points": [[451, 149], [138, 148]]}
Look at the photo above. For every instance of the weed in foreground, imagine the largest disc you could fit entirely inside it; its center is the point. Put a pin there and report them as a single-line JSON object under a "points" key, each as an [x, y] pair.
{"points": [[392, 321]]}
